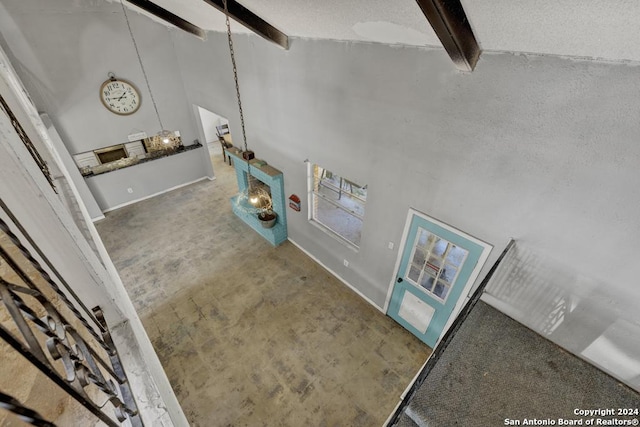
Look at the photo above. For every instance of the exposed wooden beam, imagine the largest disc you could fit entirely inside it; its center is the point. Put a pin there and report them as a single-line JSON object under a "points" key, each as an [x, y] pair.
{"points": [[448, 20], [169, 17], [252, 21]]}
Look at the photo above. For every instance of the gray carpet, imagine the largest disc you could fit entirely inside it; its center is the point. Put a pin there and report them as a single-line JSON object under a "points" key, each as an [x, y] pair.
{"points": [[496, 369]]}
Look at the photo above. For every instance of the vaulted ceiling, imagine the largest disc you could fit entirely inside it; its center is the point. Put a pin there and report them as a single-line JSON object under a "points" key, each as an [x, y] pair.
{"points": [[599, 29]]}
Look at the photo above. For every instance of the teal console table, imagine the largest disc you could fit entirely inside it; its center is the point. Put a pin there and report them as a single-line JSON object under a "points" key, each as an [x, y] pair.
{"points": [[274, 179]]}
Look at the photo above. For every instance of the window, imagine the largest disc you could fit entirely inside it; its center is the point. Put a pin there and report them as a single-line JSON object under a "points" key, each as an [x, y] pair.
{"points": [[337, 204]]}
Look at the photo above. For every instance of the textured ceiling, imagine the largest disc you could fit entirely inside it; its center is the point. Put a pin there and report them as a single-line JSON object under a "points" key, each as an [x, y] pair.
{"points": [[603, 29], [607, 29]]}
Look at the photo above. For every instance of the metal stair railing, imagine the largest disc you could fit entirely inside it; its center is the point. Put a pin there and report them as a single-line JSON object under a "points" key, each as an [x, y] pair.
{"points": [[45, 326]]}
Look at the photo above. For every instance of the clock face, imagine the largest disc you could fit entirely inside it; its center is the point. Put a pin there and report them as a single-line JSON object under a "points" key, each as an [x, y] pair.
{"points": [[120, 97]]}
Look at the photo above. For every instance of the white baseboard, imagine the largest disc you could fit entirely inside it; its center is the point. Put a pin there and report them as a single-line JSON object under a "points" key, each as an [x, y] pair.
{"points": [[336, 276], [98, 218], [156, 194]]}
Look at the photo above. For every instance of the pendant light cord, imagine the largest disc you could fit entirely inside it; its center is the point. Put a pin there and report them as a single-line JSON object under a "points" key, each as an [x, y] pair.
{"points": [[235, 73], [235, 78], [144, 73]]}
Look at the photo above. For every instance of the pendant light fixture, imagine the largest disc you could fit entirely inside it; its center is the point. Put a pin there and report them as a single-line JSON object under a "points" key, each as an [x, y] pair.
{"points": [[258, 198], [164, 135]]}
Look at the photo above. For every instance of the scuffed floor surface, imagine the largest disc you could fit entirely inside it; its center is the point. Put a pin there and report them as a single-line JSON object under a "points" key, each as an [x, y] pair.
{"points": [[248, 334]]}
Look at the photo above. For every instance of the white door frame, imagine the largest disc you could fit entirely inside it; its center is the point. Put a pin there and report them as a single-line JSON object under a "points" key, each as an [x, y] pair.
{"points": [[486, 250]]}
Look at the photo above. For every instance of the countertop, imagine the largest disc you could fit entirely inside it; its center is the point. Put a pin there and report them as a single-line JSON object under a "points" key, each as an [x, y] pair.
{"points": [[132, 161]]}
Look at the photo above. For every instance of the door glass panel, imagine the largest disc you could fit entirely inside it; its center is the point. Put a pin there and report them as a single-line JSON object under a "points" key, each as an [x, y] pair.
{"points": [[422, 238], [427, 282], [440, 247], [419, 257], [456, 256], [434, 264], [414, 273], [448, 274], [441, 290]]}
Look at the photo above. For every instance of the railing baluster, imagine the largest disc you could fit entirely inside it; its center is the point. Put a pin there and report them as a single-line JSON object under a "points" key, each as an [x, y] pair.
{"points": [[25, 278], [29, 415], [45, 339], [37, 265], [27, 143]]}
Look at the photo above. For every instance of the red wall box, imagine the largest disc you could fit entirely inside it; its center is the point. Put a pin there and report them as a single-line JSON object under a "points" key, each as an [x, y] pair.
{"points": [[294, 202]]}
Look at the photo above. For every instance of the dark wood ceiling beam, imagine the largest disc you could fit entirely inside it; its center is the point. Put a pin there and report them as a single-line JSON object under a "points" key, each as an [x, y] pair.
{"points": [[169, 17], [252, 21], [448, 20]]}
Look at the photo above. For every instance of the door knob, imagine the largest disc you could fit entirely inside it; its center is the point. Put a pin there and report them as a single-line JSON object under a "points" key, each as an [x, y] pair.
{"points": [[399, 279]]}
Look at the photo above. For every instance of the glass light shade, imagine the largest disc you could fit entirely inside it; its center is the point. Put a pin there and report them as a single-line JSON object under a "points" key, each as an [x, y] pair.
{"points": [[165, 136], [258, 200], [253, 195]]}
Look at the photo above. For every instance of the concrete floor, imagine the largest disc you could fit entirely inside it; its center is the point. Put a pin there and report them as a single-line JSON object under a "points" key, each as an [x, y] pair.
{"points": [[250, 334]]}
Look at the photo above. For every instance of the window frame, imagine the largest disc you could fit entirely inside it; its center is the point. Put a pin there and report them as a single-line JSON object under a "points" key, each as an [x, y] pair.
{"points": [[311, 194]]}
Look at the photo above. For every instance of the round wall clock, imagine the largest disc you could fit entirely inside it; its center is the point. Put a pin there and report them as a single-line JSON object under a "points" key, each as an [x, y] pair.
{"points": [[119, 96]]}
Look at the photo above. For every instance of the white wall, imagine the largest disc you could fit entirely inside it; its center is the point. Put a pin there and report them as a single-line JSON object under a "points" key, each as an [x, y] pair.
{"points": [[111, 190], [209, 122], [541, 149], [63, 58], [83, 190]]}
